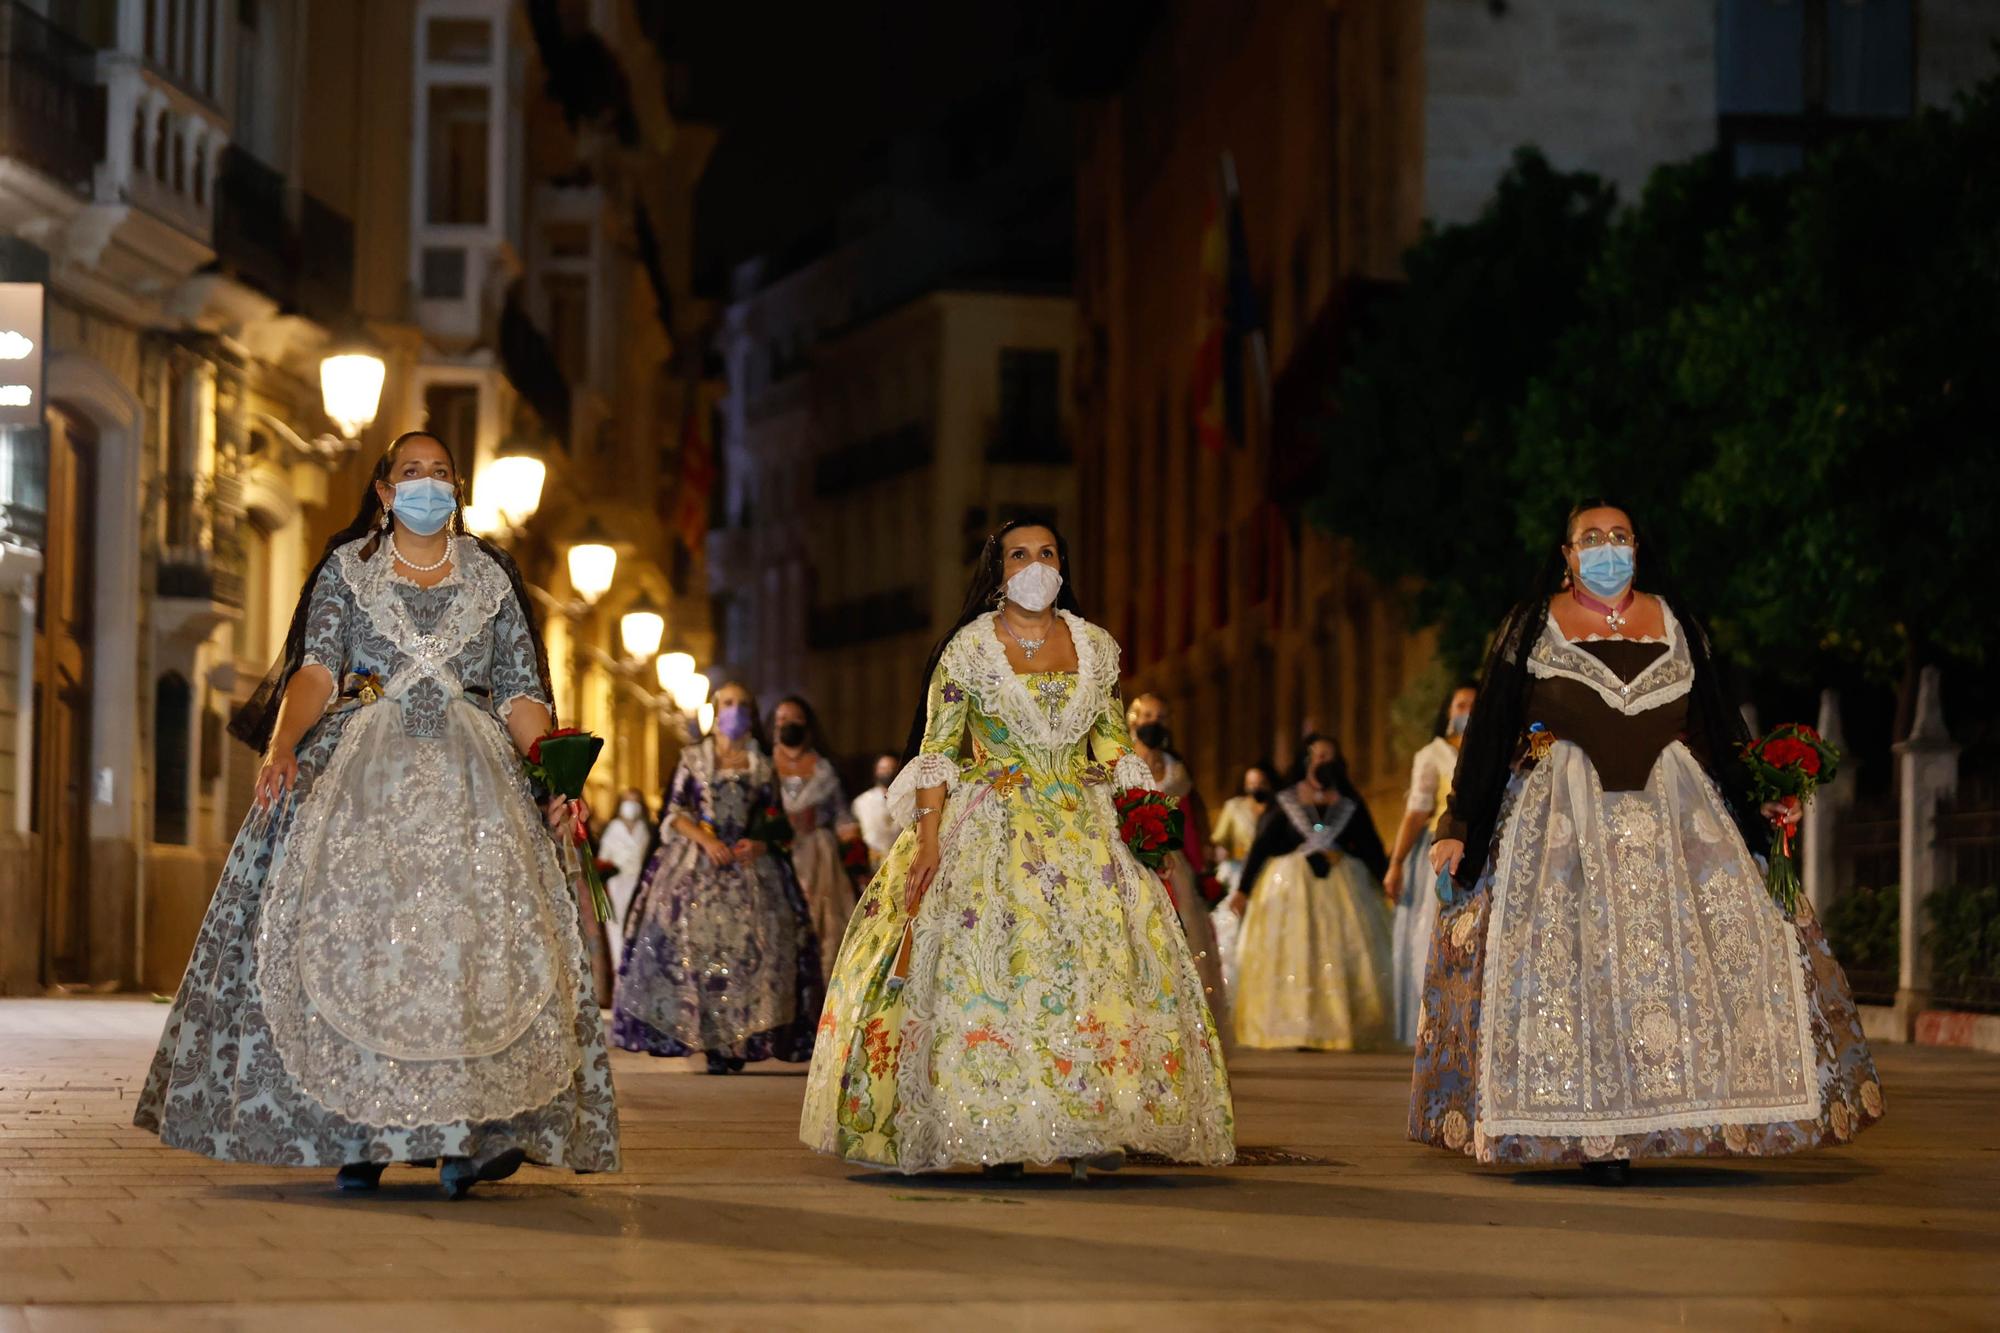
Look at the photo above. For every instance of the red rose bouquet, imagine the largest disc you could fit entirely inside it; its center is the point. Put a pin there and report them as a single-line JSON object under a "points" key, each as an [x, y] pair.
{"points": [[1150, 824], [772, 827], [854, 859], [1786, 767], [560, 762]]}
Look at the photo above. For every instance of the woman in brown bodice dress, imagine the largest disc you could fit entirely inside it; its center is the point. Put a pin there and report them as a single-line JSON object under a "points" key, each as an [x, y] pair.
{"points": [[1612, 981]]}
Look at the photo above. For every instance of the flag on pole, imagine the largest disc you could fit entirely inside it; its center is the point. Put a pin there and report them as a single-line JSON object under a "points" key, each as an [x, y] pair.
{"points": [[697, 470], [1231, 327]]}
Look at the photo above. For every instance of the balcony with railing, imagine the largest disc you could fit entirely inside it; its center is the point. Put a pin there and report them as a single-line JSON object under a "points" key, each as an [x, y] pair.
{"points": [[51, 105], [300, 254]]}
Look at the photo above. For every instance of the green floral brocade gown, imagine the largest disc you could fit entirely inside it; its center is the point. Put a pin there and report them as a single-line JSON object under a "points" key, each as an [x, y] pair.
{"points": [[1052, 1008]]}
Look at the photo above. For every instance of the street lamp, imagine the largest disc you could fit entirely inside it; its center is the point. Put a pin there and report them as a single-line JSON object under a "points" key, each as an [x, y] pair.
{"points": [[511, 486], [672, 669], [641, 629], [691, 692], [350, 386], [592, 565]]}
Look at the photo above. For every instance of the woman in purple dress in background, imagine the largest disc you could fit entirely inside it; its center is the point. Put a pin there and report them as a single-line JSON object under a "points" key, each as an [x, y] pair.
{"points": [[720, 956]]}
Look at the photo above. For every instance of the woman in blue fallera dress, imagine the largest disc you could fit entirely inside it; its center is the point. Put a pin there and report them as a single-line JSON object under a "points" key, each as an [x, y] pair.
{"points": [[391, 969], [720, 958]]}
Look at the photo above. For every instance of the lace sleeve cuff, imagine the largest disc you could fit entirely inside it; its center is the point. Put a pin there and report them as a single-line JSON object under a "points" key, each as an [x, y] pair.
{"points": [[1132, 774], [926, 770], [504, 708]]}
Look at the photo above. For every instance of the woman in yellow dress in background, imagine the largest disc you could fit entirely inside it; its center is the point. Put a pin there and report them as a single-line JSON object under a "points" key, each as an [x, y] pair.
{"points": [[1315, 964], [1015, 987]]}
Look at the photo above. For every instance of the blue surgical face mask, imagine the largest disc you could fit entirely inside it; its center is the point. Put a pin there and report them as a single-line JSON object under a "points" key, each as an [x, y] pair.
{"points": [[1606, 570], [425, 505], [1456, 724]]}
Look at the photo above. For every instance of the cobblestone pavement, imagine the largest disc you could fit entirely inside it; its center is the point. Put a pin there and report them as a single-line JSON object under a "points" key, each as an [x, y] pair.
{"points": [[721, 1221]]}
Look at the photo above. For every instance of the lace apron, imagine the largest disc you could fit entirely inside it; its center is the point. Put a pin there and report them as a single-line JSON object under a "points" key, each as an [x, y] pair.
{"points": [[415, 937]]}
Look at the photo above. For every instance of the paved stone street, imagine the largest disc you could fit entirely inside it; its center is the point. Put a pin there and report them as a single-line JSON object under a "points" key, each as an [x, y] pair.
{"points": [[721, 1221]]}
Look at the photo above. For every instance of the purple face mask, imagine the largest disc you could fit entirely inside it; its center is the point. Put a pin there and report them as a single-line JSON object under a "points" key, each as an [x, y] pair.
{"points": [[733, 721]]}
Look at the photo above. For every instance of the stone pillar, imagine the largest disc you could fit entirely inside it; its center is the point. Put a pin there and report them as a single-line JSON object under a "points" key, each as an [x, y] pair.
{"points": [[1829, 806], [1927, 772]]}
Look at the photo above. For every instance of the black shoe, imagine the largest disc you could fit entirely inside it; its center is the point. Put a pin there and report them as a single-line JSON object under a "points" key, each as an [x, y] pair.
{"points": [[459, 1174], [735, 1064], [1003, 1171], [360, 1177], [718, 1063], [1608, 1173]]}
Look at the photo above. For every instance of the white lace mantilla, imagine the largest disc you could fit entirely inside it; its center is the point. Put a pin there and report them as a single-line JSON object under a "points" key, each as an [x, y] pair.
{"points": [[1666, 678], [414, 941], [803, 794], [1321, 832], [1638, 975], [976, 661]]}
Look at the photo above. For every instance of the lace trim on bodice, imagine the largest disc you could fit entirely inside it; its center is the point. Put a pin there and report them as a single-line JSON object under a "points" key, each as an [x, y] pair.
{"points": [[809, 793], [1321, 832], [976, 659], [483, 586], [1666, 678]]}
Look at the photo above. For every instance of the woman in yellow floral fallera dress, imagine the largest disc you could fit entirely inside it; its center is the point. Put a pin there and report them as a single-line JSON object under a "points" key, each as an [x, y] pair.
{"points": [[1015, 987]]}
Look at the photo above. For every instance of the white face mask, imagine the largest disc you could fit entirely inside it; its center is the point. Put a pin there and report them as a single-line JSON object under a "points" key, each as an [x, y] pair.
{"points": [[631, 811], [1034, 588]]}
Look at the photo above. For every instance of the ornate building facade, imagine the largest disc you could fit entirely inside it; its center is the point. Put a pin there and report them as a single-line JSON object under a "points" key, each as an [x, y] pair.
{"points": [[200, 202]]}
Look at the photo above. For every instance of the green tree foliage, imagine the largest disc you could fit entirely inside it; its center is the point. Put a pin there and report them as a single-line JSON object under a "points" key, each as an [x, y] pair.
{"points": [[1418, 453], [1789, 381]]}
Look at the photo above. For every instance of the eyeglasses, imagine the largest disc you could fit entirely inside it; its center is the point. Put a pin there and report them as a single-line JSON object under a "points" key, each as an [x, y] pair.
{"points": [[1590, 538]]}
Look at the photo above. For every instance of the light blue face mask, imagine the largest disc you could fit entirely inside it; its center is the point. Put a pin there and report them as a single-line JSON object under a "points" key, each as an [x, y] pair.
{"points": [[1605, 570], [425, 505]]}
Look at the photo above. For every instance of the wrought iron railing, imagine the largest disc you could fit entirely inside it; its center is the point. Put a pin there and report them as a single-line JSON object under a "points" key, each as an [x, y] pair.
{"points": [[201, 552], [305, 264], [51, 105], [24, 485]]}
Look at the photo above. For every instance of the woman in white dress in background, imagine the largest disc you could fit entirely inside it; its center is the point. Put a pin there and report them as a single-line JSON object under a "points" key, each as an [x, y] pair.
{"points": [[1410, 883], [1314, 973], [626, 842]]}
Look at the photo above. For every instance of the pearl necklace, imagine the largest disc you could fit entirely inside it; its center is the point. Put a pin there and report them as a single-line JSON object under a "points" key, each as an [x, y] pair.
{"points": [[412, 565]]}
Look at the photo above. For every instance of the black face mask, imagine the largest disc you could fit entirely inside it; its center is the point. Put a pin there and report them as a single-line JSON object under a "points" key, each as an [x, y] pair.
{"points": [[884, 779], [1327, 774], [792, 734], [1261, 795], [1152, 735]]}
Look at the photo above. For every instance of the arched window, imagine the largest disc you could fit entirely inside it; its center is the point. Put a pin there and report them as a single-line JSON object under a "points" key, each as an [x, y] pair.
{"points": [[173, 704]]}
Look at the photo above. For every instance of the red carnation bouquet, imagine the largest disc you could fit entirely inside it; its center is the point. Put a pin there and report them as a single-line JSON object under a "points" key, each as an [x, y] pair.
{"points": [[1150, 824], [1786, 768], [561, 762]]}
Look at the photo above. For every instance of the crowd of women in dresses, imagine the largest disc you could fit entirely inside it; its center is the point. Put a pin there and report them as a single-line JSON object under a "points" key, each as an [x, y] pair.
{"points": [[1571, 929]]}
